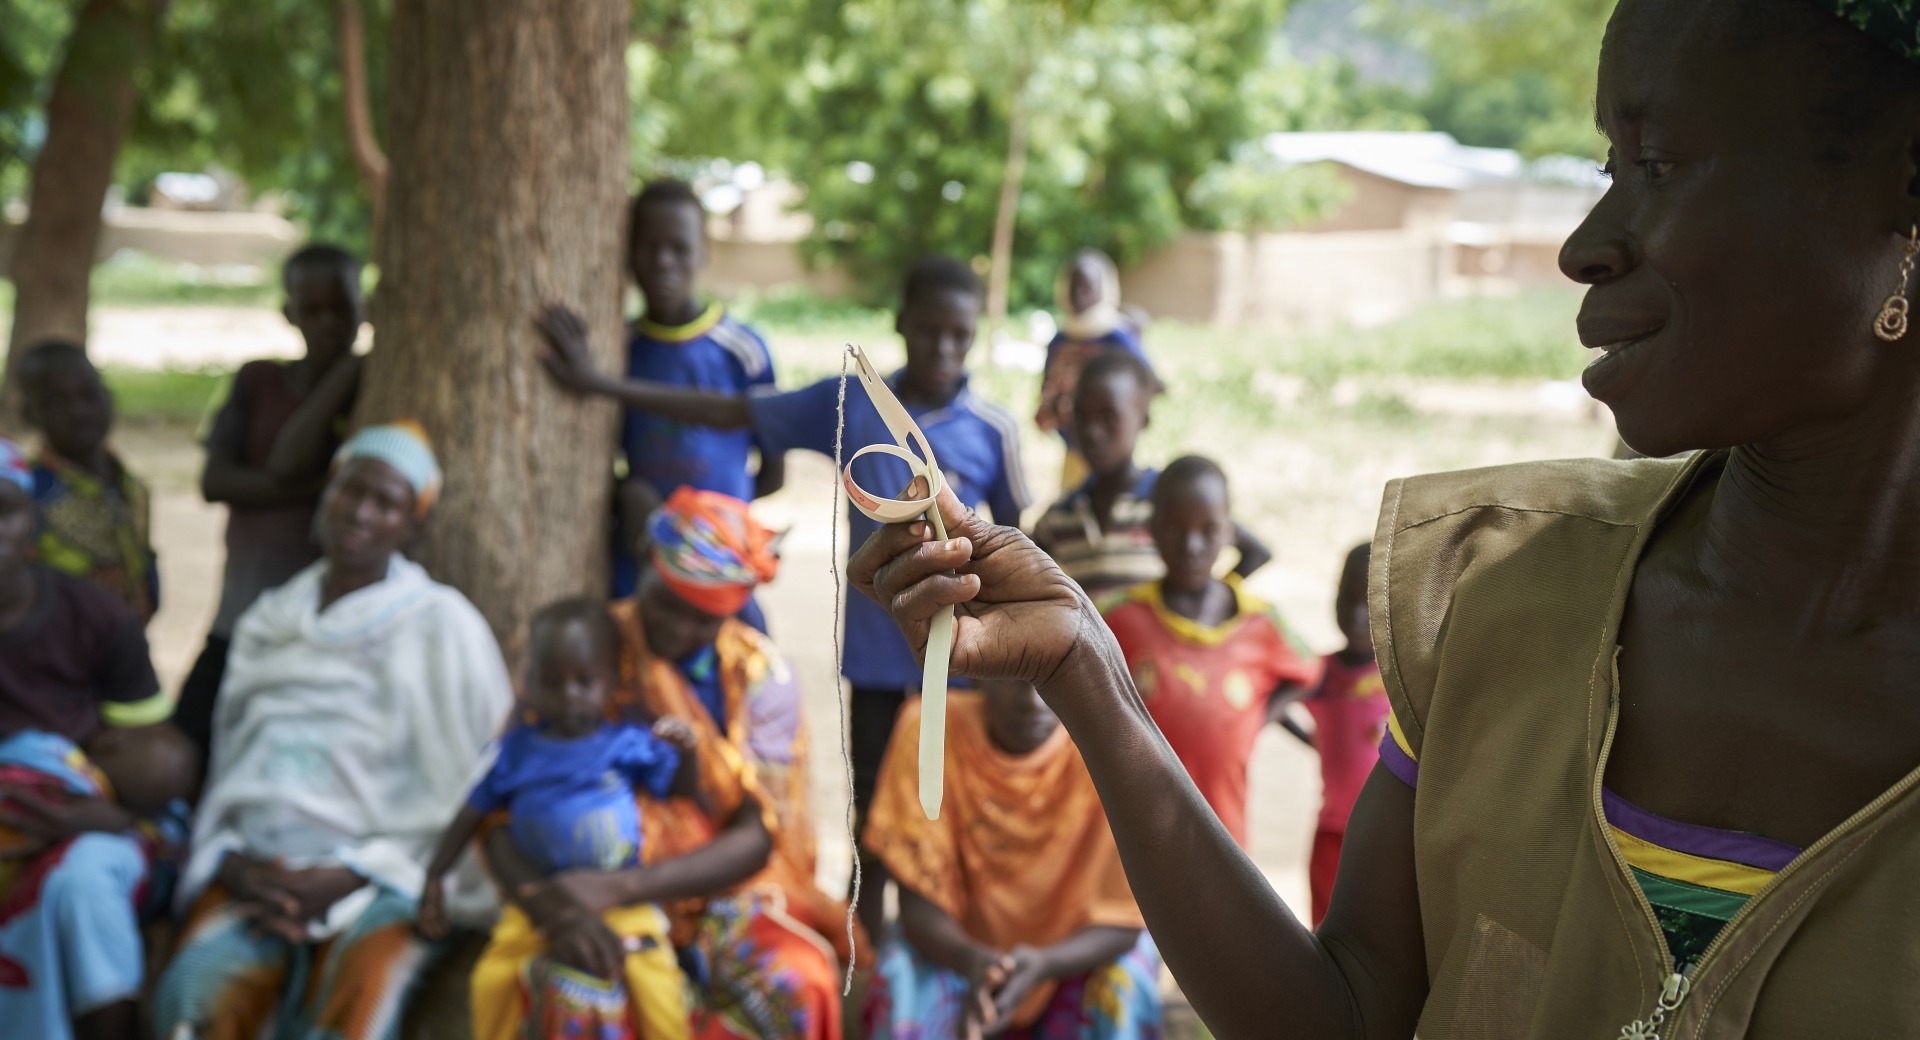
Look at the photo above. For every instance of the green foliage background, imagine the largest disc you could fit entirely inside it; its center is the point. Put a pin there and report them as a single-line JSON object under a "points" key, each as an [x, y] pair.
{"points": [[1145, 117]]}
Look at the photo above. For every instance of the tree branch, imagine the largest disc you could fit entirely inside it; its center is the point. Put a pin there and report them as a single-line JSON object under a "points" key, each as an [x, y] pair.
{"points": [[1009, 205], [367, 156]]}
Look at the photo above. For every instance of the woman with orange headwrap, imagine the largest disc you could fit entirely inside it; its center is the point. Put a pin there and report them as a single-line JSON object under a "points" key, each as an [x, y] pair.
{"points": [[761, 960]]}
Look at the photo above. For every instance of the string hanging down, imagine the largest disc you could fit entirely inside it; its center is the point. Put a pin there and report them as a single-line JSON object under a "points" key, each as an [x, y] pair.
{"points": [[839, 666], [933, 676]]}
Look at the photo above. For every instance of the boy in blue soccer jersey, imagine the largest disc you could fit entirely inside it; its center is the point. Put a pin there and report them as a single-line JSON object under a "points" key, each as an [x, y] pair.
{"points": [[977, 443], [680, 342]]}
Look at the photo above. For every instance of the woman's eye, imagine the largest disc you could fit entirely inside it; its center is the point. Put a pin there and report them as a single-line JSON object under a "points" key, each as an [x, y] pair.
{"points": [[1657, 169]]}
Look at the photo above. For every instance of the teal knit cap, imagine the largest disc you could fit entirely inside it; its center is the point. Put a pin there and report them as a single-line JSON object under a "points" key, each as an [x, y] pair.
{"points": [[1894, 23]]}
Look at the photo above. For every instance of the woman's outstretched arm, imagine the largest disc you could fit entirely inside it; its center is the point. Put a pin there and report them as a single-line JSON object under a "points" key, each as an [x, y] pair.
{"points": [[1247, 963]]}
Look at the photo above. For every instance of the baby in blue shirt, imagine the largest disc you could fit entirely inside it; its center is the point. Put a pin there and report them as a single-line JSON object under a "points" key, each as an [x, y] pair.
{"points": [[568, 779]]}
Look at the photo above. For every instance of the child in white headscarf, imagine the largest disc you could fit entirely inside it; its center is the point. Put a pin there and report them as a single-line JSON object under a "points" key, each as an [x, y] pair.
{"points": [[1091, 321]]}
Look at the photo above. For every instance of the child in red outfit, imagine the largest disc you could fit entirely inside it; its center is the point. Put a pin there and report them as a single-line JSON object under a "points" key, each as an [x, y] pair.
{"points": [[1214, 664], [1350, 716]]}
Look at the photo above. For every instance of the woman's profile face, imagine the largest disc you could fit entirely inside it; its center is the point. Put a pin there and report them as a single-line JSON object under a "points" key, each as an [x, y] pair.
{"points": [[366, 515], [1749, 235]]}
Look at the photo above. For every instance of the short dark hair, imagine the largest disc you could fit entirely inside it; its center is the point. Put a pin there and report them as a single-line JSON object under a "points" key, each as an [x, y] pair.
{"points": [[322, 256], [662, 191], [1184, 472], [938, 273], [1355, 568], [43, 356], [1118, 361], [554, 617]]}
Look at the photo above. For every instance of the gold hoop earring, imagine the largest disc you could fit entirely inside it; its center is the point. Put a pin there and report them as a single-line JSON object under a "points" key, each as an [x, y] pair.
{"points": [[1891, 325]]}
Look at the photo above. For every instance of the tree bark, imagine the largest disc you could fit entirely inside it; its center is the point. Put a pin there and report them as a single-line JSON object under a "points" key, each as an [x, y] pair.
{"points": [[367, 156], [87, 116], [1007, 211], [507, 123]]}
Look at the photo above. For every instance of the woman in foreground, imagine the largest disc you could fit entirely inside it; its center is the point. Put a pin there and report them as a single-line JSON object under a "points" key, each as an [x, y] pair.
{"points": [[1655, 730]]}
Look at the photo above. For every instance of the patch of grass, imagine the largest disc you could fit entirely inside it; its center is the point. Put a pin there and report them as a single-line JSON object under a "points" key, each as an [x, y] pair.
{"points": [[130, 279], [803, 311], [178, 396], [1524, 337]]}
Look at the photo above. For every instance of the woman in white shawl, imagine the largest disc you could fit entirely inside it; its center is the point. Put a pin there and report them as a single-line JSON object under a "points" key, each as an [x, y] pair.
{"points": [[350, 722]]}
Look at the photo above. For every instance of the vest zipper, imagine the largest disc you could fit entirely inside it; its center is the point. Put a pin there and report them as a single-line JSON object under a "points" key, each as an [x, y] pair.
{"points": [[1678, 984], [1674, 990]]}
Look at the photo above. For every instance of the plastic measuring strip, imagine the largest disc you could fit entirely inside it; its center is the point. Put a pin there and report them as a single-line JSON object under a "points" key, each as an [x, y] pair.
{"points": [[933, 675]]}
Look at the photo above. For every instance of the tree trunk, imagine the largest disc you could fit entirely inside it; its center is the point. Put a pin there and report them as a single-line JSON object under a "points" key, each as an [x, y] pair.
{"points": [[367, 156], [507, 124], [1007, 211], [87, 116]]}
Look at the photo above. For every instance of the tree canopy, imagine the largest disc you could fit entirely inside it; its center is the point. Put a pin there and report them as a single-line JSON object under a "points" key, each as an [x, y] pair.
{"points": [[893, 116]]}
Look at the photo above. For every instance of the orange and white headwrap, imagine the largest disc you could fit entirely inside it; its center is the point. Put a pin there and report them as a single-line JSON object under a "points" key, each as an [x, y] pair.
{"points": [[710, 551], [404, 445]]}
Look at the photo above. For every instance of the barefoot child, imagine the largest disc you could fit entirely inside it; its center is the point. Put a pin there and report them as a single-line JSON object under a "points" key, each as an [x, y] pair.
{"points": [[679, 341], [94, 514], [1214, 664], [976, 442], [566, 781], [1099, 533], [1350, 717]]}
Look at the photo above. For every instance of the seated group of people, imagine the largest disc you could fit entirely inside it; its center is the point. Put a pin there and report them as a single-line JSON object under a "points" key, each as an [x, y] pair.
{"points": [[640, 813], [360, 701], [351, 778]]}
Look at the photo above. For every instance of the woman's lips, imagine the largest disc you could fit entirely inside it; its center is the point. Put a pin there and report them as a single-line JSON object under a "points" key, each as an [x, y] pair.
{"points": [[1611, 334]]}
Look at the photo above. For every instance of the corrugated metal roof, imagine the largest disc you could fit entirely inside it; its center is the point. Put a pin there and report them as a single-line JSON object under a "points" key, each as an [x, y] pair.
{"points": [[1424, 160]]}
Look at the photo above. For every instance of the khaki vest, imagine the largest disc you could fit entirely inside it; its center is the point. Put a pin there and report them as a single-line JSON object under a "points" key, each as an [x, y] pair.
{"points": [[1496, 597]]}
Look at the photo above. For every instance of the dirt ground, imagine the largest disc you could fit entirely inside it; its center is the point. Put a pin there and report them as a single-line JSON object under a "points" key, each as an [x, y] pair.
{"points": [[1311, 494]]}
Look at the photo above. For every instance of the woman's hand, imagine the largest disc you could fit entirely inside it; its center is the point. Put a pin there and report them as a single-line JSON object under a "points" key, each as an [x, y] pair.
{"points": [[585, 943], [568, 358], [316, 889], [1018, 616], [979, 1015], [260, 895], [1019, 971], [51, 821], [280, 901]]}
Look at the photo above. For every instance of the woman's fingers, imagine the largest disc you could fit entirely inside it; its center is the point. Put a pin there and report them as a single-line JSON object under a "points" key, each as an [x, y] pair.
{"points": [[918, 563], [923, 599], [891, 540]]}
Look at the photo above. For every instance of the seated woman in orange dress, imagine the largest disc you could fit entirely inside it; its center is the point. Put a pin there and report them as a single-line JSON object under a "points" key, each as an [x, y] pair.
{"points": [[735, 865], [1015, 915]]}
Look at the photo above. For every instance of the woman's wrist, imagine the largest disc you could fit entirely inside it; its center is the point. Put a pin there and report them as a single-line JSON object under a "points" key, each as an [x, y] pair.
{"points": [[1091, 680]]}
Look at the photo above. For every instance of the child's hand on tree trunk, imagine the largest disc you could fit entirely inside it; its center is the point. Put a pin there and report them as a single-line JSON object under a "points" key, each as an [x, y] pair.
{"points": [[568, 358]]}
